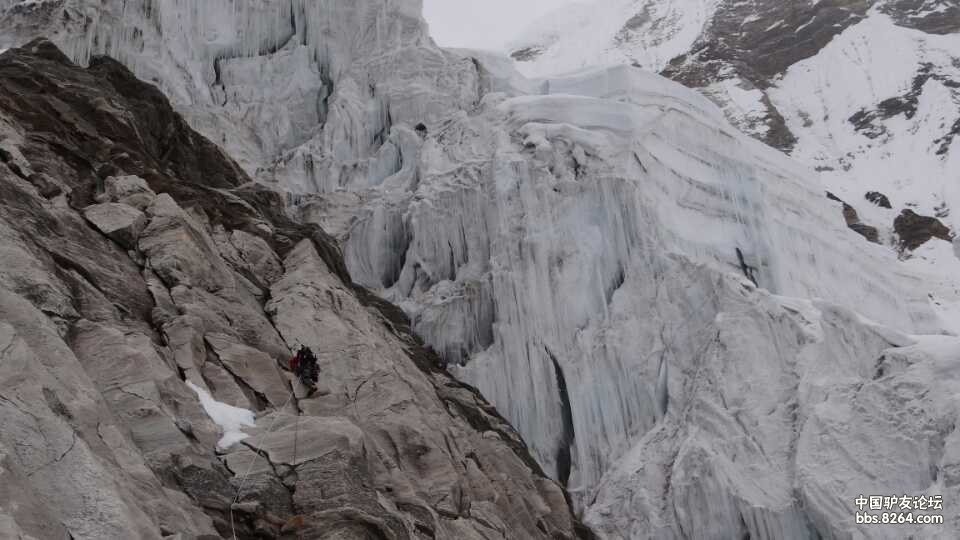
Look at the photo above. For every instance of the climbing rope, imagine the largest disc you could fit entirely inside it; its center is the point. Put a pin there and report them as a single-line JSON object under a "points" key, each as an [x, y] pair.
{"points": [[256, 454], [296, 432], [293, 462]]}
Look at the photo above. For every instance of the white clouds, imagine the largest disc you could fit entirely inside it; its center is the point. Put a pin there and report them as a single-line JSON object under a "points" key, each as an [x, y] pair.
{"points": [[489, 24]]}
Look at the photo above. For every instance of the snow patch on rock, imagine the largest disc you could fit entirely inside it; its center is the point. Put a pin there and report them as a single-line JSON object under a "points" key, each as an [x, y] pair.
{"points": [[231, 419]]}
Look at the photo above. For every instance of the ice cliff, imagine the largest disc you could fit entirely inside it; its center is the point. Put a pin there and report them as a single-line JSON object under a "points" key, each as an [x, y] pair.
{"points": [[587, 257], [673, 315]]}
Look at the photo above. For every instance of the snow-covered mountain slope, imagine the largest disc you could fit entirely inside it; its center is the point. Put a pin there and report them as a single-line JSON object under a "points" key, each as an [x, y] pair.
{"points": [[733, 50], [902, 86], [671, 313], [583, 35], [866, 93], [878, 110]]}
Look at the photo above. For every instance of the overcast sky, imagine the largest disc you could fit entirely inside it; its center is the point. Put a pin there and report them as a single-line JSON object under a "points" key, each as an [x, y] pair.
{"points": [[482, 24]]}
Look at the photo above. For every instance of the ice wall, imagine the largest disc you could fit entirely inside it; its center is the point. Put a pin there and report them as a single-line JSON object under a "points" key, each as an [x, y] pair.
{"points": [[531, 216], [787, 408], [587, 261]]}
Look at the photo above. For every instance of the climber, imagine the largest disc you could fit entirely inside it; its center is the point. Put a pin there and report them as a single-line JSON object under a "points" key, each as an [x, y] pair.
{"points": [[304, 365]]}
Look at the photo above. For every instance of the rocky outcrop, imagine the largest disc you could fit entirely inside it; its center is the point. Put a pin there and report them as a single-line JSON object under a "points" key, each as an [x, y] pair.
{"points": [[915, 230], [933, 16], [754, 42], [871, 122], [144, 286], [878, 199], [852, 217], [763, 38], [122, 223], [867, 231], [526, 54]]}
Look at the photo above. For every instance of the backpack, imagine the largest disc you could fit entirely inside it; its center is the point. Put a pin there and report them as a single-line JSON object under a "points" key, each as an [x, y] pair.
{"points": [[309, 370]]}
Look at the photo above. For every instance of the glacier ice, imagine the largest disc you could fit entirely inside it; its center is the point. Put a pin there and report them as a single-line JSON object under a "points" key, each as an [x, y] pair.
{"points": [[796, 407], [532, 216], [596, 236]]}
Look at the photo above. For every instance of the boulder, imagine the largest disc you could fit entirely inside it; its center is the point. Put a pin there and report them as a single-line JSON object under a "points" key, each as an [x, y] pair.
{"points": [[915, 230], [122, 223]]}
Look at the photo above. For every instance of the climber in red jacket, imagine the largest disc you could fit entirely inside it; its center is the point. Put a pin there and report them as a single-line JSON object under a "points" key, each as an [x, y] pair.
{"points": [[304, 366]]}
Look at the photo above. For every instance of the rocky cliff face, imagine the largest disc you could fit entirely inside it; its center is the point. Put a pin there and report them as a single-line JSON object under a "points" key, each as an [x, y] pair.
{"points": [[144, 288]]}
